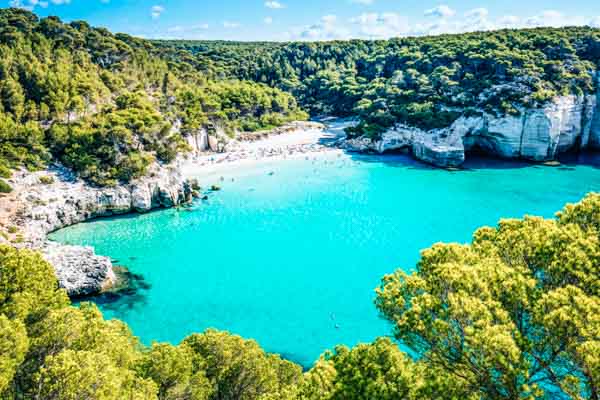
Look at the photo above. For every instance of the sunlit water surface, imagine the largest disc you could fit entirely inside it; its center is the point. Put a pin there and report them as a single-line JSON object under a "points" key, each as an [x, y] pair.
{"points": [[289, 253]]}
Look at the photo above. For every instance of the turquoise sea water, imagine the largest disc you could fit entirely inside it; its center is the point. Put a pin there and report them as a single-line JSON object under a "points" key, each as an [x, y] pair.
{"points": [[289, 253]]}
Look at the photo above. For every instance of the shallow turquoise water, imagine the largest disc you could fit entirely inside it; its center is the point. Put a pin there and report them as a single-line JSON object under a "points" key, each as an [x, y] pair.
{"points": [[292, 259]]}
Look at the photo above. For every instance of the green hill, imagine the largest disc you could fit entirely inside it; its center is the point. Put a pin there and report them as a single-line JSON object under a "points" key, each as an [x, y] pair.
{"points": [[105, 104], [424, 81]]}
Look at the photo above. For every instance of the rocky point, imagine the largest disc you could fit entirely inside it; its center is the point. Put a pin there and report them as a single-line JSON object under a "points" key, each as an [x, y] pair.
{"points": [[53, 199], [567, 123]]}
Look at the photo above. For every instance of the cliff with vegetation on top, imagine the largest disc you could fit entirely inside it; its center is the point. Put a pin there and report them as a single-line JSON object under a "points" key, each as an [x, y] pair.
{"points": [[116, 114], [533, 90], [106, 105]]}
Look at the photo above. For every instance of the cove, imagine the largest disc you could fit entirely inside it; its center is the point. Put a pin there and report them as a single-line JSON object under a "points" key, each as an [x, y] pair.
{"points": [[289, 252]]}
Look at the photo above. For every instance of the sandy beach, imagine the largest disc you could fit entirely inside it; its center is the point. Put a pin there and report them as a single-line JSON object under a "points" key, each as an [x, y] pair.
{"points": [[295, 144]]}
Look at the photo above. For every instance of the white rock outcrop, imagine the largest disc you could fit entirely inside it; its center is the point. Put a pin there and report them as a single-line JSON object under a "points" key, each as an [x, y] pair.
{"points": [[594, 138], [79, 270], [198, 141], [46, 207], [566, 123]]}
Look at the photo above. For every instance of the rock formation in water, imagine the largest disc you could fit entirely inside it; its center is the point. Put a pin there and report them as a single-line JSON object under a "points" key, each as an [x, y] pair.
{"points": [[567, 123], [68, 200]]}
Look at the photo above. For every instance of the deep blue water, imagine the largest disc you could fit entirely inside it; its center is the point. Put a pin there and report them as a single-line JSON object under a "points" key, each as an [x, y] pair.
{"points": [[292, 258]]}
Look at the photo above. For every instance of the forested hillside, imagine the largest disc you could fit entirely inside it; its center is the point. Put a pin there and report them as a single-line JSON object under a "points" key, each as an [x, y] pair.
{"points": [[425, 81], [105, 104]]}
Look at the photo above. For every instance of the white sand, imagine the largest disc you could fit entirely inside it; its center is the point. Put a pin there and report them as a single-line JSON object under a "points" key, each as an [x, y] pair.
{"points": [[293, 145]]}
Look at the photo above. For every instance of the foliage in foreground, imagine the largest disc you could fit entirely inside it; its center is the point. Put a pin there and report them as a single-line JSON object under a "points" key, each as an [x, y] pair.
{"points": [[514, 315]]}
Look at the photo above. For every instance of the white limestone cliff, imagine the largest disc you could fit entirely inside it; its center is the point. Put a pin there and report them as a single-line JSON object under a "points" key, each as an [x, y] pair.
{"points": [[566, 123], [46, 207], [198, 141], [594, 137]]}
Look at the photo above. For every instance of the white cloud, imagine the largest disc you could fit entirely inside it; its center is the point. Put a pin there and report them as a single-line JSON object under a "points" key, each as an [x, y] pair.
{"points": [[476, 20], [32, 4], [441, 11], [553, 18], [363, 2], [477, 13], [328, 28], [329, 20], [274, 5], [155, 11], [509, 21], [380, 25], [384, 25]]}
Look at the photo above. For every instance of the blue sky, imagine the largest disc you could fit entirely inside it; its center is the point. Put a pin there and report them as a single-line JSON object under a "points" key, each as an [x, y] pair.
{"points": [[312, 19]]}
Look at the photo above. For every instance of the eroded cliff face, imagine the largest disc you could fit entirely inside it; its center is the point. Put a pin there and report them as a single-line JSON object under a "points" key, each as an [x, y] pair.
{"points": [[594, 138], [198, 141], [567, 123], [68, 200]]}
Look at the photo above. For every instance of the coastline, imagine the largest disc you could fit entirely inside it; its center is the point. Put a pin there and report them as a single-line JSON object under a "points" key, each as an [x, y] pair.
{"points": [[45, 201], [316, 139], [38, 207]]}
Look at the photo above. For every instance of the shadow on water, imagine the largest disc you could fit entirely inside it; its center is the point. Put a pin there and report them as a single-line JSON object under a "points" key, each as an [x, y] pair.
{"points": [[587, 158], [391, 159], [130, 291], [407, 161], [296, 360], [191, 207], [478, 161]]}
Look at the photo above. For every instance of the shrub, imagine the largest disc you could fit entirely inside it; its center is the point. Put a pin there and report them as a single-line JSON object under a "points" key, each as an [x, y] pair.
{"points": [[5, 187], [46, 180], [5, 172]]}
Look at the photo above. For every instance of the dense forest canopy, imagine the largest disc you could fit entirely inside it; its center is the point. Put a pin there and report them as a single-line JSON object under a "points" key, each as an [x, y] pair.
{"points": [[514, 315], [108, 105], [105, 105], [422, 81]]}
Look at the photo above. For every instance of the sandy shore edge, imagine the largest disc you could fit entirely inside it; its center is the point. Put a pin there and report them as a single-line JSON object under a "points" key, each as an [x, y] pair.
{"points": [[298, 144]]}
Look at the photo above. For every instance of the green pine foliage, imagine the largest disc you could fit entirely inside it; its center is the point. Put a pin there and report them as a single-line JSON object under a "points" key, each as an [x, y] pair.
{"points": [[422, 81], [5, 187], [105, 105], [63, 80], [514, 315]]}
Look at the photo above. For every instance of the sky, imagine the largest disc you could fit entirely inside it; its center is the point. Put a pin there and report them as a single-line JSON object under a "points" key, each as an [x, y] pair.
{"points": [[308, 20]]}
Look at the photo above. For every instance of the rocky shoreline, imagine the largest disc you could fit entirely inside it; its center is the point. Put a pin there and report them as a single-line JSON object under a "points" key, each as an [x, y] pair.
{"points": [[45, 201], [53, 199], [567, 123]]}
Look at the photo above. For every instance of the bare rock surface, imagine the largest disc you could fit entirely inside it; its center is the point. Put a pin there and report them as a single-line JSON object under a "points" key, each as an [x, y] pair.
{"points": [[566, 123], [53, 199], [78, 269]]}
